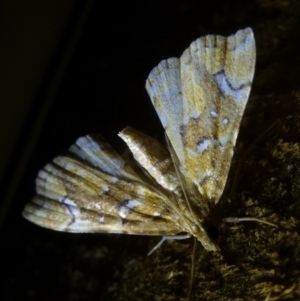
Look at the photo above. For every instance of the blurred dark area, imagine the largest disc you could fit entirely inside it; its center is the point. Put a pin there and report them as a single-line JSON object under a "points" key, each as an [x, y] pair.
{"points": [[69, 68]]}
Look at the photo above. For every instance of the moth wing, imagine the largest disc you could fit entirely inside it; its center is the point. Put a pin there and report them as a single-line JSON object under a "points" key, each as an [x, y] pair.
{"points": [[153, 157], [200, 100], [92, 189]]}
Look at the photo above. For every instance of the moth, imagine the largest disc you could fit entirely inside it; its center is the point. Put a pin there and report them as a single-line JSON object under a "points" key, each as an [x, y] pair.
{"points": [[200, 99]]}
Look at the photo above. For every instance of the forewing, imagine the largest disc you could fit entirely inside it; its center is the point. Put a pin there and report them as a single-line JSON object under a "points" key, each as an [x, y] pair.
{"points": [[92, 189], [213, 82], [165, 90]]}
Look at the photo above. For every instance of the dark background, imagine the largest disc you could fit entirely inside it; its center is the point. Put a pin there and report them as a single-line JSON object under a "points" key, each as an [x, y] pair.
{"points": [[69, 68]]}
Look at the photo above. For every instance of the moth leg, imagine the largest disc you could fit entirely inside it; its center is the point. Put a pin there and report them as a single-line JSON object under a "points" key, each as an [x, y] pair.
{"points": [[164, 238], [247, 219], [192, 270]]}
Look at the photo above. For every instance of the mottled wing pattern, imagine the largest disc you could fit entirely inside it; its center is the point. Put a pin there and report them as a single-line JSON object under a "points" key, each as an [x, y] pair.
{"points": [[92, 189], [153, 157], [200, 99]]}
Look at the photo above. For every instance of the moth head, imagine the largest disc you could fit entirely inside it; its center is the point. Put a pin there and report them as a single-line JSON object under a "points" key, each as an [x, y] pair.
{"points": [[207, 235]]}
